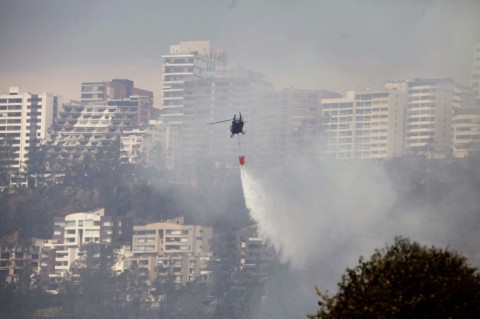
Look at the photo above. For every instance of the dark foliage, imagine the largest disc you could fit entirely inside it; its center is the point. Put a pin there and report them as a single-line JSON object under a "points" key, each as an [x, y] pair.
{"points": [[31, 210], [406, 280]]}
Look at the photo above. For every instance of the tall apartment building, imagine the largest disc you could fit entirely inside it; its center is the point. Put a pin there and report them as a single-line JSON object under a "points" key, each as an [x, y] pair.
{"points": [[217, 99], [25, 118], [466, 120], [73, 232], [364, 124], [429, 114], [172, 248], [201, 86], [187, 60], [466, 131]]}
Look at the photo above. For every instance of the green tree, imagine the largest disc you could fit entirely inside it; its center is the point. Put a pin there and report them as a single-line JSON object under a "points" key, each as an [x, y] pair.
{"points": [[406, 280]]}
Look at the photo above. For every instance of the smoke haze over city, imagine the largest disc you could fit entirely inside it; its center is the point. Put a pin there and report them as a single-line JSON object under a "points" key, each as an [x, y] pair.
{"points": [[320, 212], [54, 45]]}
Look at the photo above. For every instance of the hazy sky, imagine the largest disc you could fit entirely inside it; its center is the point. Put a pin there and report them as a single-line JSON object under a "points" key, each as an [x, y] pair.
{"points": [[54, 45]]}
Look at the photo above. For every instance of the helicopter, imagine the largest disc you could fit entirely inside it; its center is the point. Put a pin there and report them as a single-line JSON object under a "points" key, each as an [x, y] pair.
{"points": [[236, 128], [237, 124]]}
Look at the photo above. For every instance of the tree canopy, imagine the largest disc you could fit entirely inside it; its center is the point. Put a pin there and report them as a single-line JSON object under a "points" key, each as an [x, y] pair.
{"points": [[405, 280]]}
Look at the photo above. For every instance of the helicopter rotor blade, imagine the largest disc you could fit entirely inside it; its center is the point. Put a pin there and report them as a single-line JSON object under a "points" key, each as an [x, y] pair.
{"points": [[220, 122]]}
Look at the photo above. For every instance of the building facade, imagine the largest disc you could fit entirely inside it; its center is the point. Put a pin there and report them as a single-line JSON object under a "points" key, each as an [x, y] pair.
{"points": [[187, 60], [256, 255], [300, 119], [73, 232], [116, 89], [366, 124], [138, 143], [200, 86], [19, 259], [25, 118], [174, 249], [429, 114], [98, 127], [466, 131], [219, 99]]}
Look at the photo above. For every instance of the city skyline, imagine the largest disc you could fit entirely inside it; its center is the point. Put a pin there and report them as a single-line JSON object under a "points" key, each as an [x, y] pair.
{"points": [[54, 46]]}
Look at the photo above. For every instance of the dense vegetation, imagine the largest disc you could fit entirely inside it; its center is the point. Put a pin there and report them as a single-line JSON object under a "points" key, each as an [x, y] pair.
{"points": [[406, 280]]}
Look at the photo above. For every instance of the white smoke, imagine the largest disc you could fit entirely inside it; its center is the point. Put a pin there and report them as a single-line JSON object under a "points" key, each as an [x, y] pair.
{"points": [[322, 216], [327, 214], [311, 212]]}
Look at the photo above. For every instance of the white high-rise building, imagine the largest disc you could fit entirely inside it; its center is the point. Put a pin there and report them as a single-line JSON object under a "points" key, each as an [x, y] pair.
{"points": [[200, 86], [364, 124], [25, 118], [187, 60], [429, 114]]}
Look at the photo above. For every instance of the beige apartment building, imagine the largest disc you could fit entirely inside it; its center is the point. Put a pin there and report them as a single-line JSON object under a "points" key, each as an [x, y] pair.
{"points": [[363, 124], [466, 131], [429, 114], [172, 248]]}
